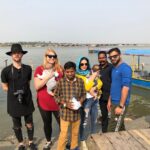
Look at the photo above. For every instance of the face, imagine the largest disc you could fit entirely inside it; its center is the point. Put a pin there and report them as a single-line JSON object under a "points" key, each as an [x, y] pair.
{"points": [[114, 58], [83, 65], [70, 73], [102, 59], [16, 56], [51, 58]]}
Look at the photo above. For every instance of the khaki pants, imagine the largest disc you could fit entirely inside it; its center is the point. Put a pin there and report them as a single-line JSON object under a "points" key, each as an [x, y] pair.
{"points": [[64, 125]]}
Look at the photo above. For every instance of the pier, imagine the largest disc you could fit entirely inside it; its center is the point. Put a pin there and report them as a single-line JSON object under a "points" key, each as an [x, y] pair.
{"points": [[138, 139], [125, 140]]}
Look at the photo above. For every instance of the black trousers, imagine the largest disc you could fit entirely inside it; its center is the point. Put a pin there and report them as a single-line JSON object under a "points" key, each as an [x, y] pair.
{"points": [[17, 127], [104, 111], [47, 120]]}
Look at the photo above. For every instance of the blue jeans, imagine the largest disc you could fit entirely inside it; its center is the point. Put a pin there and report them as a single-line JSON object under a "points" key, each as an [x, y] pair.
{"points": [[93, 113]]}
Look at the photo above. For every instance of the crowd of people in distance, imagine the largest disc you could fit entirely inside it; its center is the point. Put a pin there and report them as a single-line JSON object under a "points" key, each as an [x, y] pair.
{"points": [[72, 93]]}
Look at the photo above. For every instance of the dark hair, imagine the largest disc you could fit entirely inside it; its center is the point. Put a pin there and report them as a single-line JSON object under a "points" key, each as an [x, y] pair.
{"points": [[88, 63], [69, 65], [114, 49], [102, 52]]}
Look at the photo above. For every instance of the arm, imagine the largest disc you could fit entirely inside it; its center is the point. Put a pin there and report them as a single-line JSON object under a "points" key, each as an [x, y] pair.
{"points": [[126, 83], [83, 93], [38, 83], [109, 104], [87, 83], [124, 94], [57, 93], [5, 86], [92, 91], [58, 97], [93, 76], [4, 80]]}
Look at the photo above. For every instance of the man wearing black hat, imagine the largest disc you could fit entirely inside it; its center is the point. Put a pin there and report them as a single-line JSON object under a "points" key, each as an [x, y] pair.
{"points": [[15, 80]]}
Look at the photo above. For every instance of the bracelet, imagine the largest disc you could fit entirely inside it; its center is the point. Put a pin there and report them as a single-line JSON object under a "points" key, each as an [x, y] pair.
{"points": [[63, 105]]}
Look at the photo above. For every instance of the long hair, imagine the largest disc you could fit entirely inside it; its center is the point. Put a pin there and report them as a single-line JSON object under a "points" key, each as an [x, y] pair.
{"points": [[57, 65]]}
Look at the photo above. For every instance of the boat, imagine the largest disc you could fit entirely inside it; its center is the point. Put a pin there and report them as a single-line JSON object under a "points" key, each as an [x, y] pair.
{"points": [[140, 77], [93, 50]]}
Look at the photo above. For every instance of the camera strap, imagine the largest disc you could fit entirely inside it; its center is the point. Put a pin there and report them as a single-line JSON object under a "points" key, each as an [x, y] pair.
{"points": [[13, 79]]}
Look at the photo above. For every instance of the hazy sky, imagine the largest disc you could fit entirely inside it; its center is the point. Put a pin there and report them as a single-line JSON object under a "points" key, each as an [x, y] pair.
{"points": [[83, 21]]}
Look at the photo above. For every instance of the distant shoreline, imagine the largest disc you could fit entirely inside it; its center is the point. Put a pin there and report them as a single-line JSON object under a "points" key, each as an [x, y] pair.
{"points": [[52, 44]]}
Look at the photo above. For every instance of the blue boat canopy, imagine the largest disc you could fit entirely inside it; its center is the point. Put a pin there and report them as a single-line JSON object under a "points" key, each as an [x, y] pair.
{"points": [[137, 52]]}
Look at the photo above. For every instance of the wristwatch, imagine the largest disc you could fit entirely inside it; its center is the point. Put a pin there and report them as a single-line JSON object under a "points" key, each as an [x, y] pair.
{"points": [[120, 106]]}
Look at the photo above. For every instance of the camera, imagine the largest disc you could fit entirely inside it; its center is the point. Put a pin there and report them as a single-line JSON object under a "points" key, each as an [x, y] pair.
{"points": [[19, 94]]}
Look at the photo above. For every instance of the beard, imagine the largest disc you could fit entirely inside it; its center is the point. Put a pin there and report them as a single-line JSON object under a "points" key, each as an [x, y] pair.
{"points": [[116, 62], [102, 63]]}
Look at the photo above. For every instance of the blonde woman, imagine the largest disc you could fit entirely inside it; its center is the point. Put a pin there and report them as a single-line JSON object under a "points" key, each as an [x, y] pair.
{"points": [[46, 102]]}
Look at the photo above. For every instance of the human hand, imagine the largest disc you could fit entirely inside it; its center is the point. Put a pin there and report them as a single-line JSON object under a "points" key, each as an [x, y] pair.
{"points": [[109, 106], [76, 104], [118, 110], [49, 75], [51, 93], [92, 91], [69, 105]]}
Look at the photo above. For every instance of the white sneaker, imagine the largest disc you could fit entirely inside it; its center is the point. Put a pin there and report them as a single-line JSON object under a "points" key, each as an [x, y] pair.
{"points": [[47, 146]]}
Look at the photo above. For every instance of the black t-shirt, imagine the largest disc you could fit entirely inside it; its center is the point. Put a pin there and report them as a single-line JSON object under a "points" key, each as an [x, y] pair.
{"points": [[105, 76], [18, 79]]}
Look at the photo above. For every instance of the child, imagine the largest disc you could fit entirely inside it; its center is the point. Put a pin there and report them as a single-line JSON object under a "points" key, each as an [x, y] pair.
{"points": [[92, 96], [51, 82]]}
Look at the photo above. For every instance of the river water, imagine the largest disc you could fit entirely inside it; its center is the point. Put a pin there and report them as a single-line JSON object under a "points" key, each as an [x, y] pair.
{"points": [[140, 98]]}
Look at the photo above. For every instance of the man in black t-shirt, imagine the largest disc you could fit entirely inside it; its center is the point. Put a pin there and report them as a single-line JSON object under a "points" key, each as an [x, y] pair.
{"points": [[16, 82], [105, 76]]}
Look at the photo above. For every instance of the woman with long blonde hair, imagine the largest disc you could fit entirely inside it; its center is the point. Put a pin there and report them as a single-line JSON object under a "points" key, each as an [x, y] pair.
{"points": [[50, 69]]}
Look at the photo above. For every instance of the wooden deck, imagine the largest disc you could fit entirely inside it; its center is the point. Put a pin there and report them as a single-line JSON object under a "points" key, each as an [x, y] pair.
{"points": [[125, 140]]}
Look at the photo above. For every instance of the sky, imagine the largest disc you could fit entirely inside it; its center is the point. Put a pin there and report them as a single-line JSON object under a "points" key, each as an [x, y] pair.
{"points": [[75, 21]]}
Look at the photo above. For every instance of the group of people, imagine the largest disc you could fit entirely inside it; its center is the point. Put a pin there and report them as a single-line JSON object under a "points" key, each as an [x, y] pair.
{"points": [[71, 93]]}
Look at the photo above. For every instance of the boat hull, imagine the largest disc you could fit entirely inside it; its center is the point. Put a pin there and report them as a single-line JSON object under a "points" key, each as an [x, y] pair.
{"points": [[141, 83]]}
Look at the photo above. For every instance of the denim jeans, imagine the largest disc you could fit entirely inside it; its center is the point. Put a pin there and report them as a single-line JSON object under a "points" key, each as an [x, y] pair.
{"points": [[93, 113]]}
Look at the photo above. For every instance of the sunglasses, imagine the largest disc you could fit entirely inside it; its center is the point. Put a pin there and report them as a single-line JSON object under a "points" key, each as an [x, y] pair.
{"points": [[113, 57], [51, 56], [83, 64]]}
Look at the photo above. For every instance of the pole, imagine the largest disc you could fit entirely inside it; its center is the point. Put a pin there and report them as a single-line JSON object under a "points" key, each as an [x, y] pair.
{"points": [[138, 62], [5, 62]]}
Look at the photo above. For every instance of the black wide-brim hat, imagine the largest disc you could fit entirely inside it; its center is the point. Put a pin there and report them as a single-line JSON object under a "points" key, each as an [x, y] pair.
{"points": [[16, 48]]}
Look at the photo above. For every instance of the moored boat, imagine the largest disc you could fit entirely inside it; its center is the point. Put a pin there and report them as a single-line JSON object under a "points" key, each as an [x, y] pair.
{"points": [[140, 78]]}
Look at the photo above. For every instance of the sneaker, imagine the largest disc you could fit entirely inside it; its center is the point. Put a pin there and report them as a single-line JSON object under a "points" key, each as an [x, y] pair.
{"points": [[85, 121], [32, 146], [99, 120], [21, 147], [77, 148], [47, 146], [68, 146], [83, 145]]}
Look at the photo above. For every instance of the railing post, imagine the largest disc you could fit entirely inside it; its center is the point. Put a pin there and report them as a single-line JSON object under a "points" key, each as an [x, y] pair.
{"points": [[5, 62]]}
